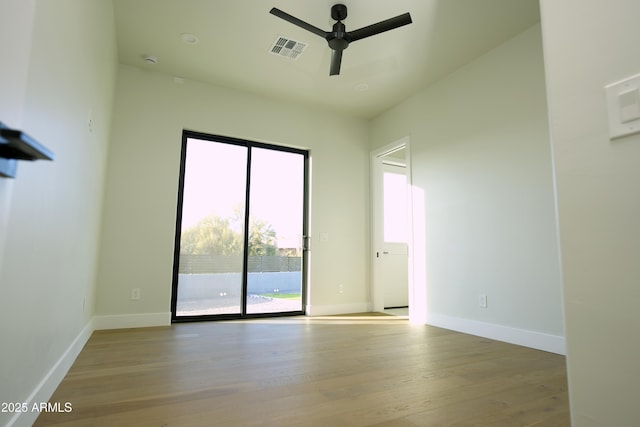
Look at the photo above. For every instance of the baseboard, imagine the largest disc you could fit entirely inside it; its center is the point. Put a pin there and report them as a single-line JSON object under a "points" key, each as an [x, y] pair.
{"points": [[44, 390], [538, 340], [329, 310], [125, 321]]}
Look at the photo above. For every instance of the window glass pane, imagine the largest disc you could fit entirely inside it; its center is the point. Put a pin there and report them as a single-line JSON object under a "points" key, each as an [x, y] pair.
{"points": [[395, 207]]}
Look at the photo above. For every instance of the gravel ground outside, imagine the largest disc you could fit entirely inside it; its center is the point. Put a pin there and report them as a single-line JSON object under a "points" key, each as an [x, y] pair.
{"points": [[229, 305]]}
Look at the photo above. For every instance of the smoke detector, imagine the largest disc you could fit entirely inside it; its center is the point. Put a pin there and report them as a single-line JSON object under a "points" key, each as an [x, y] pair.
{"points": [[150, 59], [287, 48], [189, 38]]}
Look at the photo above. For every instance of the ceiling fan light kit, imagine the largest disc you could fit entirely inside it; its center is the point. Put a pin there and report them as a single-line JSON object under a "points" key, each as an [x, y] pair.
{"points": [[339, 38]]}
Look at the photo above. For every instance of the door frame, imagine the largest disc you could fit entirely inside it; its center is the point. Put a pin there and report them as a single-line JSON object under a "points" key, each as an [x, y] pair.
{"points": [[375, 185]]}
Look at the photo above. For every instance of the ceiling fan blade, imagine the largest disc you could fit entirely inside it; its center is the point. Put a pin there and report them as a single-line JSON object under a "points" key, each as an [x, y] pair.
{"points": [[336, 61], [380, 27], [295, 21]]}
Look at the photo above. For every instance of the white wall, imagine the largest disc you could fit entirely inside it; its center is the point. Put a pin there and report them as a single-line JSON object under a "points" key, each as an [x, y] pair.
{"points": [[16, 27], [140, 202], [51, 211], [485, 222], [588, 45]]}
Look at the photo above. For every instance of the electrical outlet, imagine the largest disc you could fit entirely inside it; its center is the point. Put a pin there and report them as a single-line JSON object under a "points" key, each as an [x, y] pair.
{"points": [[135, 294], [340, 288], [482, 301]]}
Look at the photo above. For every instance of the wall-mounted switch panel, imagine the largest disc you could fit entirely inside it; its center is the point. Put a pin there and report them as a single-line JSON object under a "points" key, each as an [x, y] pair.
{"points": [[623, 104], [482, 301]]}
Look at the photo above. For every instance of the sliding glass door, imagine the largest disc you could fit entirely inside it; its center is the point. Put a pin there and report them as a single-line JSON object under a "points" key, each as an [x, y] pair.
{"points": [[240, 230], [274, 279], [211, 254]]}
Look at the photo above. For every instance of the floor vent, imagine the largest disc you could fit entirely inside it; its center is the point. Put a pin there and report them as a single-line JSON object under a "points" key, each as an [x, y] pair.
{"points": [[287, 48]]}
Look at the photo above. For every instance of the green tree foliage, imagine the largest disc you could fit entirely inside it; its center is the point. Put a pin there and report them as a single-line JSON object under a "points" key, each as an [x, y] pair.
{"points": [[262, 238], [211, 236], [214, 235]]}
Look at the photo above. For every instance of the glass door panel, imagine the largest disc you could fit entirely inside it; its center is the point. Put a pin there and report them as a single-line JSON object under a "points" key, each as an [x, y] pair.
{"points": [[276, 214], [394, 182], [394, 263], [211, 259]]}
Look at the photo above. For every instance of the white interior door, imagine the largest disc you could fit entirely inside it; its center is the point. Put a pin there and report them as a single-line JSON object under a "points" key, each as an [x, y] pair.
{"points": [[390, 230]]}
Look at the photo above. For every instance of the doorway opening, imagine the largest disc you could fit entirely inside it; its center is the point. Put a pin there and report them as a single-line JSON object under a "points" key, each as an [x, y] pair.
{"points": [[240, 231], [391, 229]]}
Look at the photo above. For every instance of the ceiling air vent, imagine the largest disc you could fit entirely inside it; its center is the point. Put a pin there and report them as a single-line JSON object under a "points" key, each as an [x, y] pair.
{"points": [[286, 47]]}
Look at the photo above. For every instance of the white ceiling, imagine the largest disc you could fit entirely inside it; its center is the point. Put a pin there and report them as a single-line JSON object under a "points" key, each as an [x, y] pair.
{"points": [[235, 37]]}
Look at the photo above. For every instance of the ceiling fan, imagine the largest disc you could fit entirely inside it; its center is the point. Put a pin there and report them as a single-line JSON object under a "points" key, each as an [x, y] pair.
{"points": [[339, 38]]}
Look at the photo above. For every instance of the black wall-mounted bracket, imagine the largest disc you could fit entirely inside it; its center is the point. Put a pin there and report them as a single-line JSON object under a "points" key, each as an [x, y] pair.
{"points": [[16, 145]]}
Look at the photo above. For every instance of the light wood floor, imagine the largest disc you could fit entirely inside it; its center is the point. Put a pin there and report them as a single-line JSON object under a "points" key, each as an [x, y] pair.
{"points": [[330, 371]]}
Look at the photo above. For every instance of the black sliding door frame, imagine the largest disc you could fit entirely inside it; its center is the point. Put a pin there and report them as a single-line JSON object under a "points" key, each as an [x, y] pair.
{"points": [[250, 145]]}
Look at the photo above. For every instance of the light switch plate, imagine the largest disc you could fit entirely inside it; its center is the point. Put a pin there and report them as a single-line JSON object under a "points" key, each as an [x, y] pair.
{"points": [[623, 105]]}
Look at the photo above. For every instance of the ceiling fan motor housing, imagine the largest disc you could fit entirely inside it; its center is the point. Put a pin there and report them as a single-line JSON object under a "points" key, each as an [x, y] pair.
{"points": [[338, 39]]}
